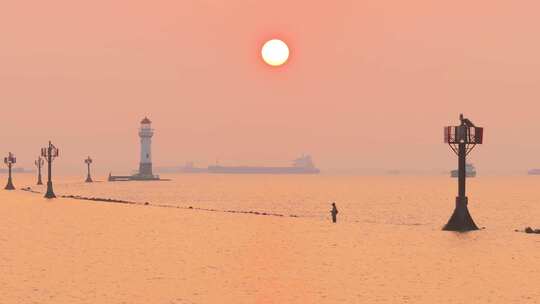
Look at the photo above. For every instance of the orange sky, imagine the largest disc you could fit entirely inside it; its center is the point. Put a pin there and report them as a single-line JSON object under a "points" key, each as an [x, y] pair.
{"points": [[370, 84]]}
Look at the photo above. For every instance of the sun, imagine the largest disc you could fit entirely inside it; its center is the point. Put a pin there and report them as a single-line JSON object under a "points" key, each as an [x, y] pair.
{"points": [[275, 52]]}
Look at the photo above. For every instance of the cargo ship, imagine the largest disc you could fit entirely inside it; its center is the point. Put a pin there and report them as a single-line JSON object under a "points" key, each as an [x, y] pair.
{"points": [[16, 170], [470, 171], [301, 165], [188, 168]]}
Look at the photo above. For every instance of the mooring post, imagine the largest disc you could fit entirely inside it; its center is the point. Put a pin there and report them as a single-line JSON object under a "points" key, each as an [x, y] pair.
{"points": [[462, 139]]}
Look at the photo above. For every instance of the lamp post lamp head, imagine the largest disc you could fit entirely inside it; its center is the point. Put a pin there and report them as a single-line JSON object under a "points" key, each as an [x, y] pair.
{"points": [[50, 152], [10, 159]]}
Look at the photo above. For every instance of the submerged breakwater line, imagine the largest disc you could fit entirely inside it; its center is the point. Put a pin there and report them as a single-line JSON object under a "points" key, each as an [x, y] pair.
{"points": [[118, 201]]}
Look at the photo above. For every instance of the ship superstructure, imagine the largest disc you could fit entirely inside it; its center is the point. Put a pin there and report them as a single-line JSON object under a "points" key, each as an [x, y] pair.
{"points": [[470, 171]]}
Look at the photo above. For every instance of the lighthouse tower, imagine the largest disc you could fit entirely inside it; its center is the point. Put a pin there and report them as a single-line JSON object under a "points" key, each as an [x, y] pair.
{"points": [[145, 133]]}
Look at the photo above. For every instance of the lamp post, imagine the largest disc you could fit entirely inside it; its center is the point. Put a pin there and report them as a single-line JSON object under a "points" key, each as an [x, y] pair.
{"points": [[39, 164], [49, 153], [88, 161], [9, 161], [462, 139]]}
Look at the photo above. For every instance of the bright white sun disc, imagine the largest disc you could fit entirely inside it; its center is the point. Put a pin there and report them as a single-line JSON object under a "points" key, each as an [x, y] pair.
{"points": [[275, 52]]}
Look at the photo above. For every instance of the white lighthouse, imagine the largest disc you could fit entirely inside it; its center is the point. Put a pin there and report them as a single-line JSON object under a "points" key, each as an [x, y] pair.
{"points": [[145, 133], [145, 165]]}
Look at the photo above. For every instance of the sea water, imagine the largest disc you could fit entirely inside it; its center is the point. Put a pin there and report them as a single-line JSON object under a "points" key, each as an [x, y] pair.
{"points": [[495, 202]]}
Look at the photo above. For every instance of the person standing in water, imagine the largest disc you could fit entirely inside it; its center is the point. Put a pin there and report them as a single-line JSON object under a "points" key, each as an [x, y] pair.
{"points": [[334, 212]]}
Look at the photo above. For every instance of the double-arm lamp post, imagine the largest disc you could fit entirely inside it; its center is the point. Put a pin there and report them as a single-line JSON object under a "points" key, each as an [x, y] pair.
{"points": [[39, 164], [88, 162], [49, 153], [9, 161]]}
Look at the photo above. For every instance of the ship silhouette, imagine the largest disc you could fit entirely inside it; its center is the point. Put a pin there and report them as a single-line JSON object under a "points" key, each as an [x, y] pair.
{"points": [[301, 165], [470, 171]]}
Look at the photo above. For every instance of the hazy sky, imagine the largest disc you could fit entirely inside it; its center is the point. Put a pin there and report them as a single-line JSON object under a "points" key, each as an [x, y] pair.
{"points": [[370, 84]]}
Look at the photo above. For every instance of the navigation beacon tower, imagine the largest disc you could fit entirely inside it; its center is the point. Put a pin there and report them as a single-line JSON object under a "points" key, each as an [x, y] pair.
{"points": [[145, 133]]}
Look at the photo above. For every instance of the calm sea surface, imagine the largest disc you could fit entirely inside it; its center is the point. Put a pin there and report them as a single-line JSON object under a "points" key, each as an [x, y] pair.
{"points": [[387, 247], [495, 202]]}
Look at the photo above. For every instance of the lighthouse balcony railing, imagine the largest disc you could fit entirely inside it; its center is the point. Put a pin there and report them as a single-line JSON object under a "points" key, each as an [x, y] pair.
{"points": [[146, 132]]}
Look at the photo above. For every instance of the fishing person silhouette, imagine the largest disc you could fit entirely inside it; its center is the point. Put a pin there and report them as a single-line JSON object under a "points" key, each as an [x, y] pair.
{"points": [[334, 213]]}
